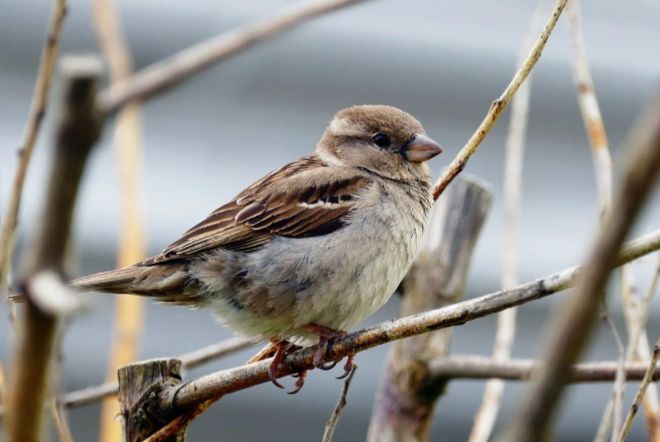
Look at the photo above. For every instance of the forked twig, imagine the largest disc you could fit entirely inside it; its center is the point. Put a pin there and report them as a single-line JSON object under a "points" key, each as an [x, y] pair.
{"points": [[331, 425]]}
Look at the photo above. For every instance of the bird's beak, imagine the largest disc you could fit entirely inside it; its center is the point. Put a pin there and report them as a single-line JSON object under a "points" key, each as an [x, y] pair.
{"points": [[421, 149]]}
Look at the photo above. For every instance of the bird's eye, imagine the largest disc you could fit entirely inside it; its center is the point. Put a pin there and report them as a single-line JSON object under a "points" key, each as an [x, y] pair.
{"points": [[381, 140]]}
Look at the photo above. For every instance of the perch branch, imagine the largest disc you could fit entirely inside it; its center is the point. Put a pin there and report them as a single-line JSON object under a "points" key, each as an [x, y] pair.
{"points": [[129, 310], [497, 106], [174, 402], [77, 131], [477, 367], [574, 322], [37, 113], [173, 70]]}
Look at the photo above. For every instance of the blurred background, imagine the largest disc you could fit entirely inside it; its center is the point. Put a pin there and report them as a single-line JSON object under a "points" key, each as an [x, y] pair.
{"points": [[443, 62]]}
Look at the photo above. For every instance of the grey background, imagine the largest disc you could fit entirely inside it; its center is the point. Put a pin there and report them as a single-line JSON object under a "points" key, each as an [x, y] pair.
{"points": [[442, 61]]}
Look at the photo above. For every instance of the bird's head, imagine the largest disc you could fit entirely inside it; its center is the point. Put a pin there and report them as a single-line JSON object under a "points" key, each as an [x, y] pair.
{"points": [[383, 140]]}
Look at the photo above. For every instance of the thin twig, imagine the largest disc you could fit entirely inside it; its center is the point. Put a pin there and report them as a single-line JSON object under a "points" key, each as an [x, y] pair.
{"points": [[61, 425], [173, 70], [214, 385], [573, 323], [77, 131], [648, 378], [129, 310], [602, 161], [484, 420], [619, 379], [331, 425], [497, 106], [37, 113], [478, 367]]}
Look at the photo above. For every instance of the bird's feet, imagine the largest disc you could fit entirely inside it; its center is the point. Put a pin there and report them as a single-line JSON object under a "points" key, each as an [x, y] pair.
{"points": [[326, 334], [278, 350]]}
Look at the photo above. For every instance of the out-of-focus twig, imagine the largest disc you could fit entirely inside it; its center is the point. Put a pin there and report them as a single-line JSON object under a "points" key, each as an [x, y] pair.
{"points": [[479, 367], [173, 70], [331, 425], [37, 113], [595, 128], [129, 310], [574, 322], [648, 378], [77, 131], [484, 420], [497, 106]]}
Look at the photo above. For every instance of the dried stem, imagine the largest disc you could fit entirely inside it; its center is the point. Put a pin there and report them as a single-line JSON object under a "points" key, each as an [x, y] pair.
{"points": [[173, 70], [37, 113], [331, 425], [477, 367], [179, 400], [484, 420], [77, 131], [129, 310], [574, 322], [648, 378], [497, 106]]}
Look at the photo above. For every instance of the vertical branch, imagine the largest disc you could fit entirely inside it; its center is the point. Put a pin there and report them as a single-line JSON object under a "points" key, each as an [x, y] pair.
{"points": [[484, 420], [128, 139], [37, 113], [574, 321], [77, 131], [408, 394]]}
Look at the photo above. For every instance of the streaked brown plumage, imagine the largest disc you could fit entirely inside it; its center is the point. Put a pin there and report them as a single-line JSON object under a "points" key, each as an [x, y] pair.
{"points": [[310, 249]]}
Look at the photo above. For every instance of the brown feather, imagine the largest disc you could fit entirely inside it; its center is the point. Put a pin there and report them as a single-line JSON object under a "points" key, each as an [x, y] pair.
{"points": [[304, 198]]}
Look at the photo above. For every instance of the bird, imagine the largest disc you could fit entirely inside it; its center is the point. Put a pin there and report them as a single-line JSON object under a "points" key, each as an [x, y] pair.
{"points": [[311, 249]]}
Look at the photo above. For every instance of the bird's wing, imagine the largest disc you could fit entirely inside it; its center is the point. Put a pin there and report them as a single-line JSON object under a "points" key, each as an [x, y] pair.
{"points": [[302, 199]]}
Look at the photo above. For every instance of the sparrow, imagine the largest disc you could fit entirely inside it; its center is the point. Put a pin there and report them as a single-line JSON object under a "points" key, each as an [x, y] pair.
{"points": [[309, 250]]}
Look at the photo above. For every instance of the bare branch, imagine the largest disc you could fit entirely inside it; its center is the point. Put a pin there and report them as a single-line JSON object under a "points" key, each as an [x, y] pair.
{"points": [[497, 106], [129, 310], [77, 131], [478, 367], [173, 70], [648, 378], [37, 113], [339, 408], [176, 401], [574, 322]]}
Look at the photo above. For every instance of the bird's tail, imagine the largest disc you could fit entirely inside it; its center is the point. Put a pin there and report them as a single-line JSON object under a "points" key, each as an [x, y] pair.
{"points": [[167, 282]]}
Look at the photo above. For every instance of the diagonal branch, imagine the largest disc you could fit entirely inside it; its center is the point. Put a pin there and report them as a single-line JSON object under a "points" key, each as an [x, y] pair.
{"points": [[175, 401], [171, 71], [497, 106]]}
